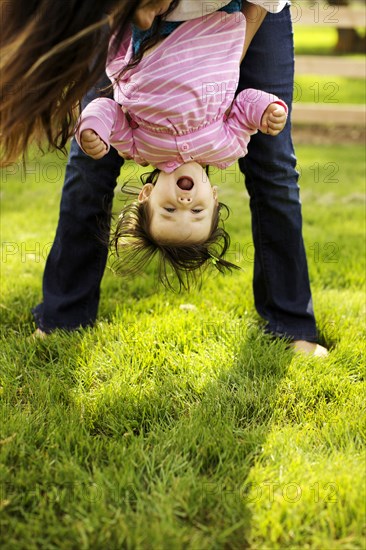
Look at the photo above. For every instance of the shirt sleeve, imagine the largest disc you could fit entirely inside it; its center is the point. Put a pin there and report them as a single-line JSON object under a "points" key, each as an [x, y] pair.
{"points": [[105, 117], [249, 106], [274, 6]]}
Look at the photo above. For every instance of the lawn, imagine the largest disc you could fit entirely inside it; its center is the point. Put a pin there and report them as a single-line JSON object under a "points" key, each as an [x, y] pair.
{"points": [[318, 39], [165, 427], [329, 89]]}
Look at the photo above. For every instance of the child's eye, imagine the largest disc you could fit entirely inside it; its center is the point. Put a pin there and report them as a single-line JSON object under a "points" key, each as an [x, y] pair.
{"points": [[197, 210], [169, 209]]}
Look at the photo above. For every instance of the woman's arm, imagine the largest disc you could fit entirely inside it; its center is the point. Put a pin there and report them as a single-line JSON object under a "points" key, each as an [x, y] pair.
{"points": [[254, 15]]}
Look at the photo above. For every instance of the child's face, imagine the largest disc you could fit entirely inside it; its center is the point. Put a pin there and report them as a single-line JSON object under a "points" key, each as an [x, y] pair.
{"points": [[182, 205], [148, 10]]}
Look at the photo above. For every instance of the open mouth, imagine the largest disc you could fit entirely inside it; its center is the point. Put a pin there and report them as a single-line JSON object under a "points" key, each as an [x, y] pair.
{"points": [[185, 183]]}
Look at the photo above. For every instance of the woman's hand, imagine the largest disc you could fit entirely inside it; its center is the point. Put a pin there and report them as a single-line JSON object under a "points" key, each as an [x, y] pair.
{"points": [[93, 145], [273, 119]]}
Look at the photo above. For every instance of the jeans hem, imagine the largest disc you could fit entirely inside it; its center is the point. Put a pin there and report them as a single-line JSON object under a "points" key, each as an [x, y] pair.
{"points": [[65, 327], [293, 335]]}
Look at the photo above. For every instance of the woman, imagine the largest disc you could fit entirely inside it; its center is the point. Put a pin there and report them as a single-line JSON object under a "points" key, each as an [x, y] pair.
{"points": [[76, 263]]}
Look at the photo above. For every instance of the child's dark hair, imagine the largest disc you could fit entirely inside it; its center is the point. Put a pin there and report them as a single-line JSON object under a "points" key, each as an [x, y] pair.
{"points": [[134, 246]]}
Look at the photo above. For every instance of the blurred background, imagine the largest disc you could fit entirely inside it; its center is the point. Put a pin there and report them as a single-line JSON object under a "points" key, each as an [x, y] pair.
{"points": [[330, 69]]}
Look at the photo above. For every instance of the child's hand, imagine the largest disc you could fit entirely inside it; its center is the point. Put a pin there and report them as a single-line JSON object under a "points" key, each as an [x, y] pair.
{"points": [[273, 119], [93, 145]]}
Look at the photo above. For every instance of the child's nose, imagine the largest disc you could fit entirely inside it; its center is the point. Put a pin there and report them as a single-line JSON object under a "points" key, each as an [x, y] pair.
{"points": [[184, 199]]}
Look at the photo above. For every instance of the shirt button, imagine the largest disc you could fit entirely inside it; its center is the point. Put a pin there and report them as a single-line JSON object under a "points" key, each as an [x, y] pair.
{"points": [[185, 147], [170, 164]]}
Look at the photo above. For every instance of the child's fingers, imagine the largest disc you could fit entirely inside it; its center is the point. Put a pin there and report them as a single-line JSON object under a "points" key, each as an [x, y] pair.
{"points": [[277, 115], [273, 131], [278, 125], [278, 110], [95, 147], [277, 121], [91, 139], [89, 136], [92, 144], [96, 153], [275, 128], [273, 120]]}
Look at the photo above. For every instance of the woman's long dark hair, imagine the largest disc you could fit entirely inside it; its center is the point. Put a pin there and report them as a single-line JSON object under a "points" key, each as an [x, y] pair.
{"points": [[52, 52]]}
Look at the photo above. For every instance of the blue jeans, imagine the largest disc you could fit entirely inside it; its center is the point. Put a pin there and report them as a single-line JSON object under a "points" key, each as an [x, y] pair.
{"points": [[76, 262], [77, 259], [281, 281]]}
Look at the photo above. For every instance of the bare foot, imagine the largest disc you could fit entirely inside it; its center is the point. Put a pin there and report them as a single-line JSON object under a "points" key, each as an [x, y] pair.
{"points": [[38, 333], [309, 348]]}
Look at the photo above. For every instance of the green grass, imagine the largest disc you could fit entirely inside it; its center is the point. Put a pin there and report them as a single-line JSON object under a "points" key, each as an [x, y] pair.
{"points": [[167, 428], [332, 90], [317, 40]]}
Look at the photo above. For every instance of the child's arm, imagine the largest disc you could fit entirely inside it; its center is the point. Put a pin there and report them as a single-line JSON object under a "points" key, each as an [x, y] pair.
{"points": [[254, 110], [101, 123]]}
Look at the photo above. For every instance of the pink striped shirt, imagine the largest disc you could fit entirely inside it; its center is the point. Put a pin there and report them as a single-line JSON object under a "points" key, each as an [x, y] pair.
{"points": [[177, 96]]}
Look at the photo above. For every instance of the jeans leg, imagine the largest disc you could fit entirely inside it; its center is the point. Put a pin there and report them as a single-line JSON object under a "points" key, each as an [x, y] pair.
{"points": [[76, 262], [281, 282]]}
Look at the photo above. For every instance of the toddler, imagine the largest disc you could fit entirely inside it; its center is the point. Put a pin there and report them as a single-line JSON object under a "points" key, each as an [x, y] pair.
{"points": [[176, 110]]}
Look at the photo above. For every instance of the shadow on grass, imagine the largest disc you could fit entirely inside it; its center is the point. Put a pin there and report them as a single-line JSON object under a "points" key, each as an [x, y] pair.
{"points": [[152, 455]]}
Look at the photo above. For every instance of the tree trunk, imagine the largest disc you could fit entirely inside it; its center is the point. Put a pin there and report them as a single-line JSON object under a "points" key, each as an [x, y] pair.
{"points": [[349, 41]]}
